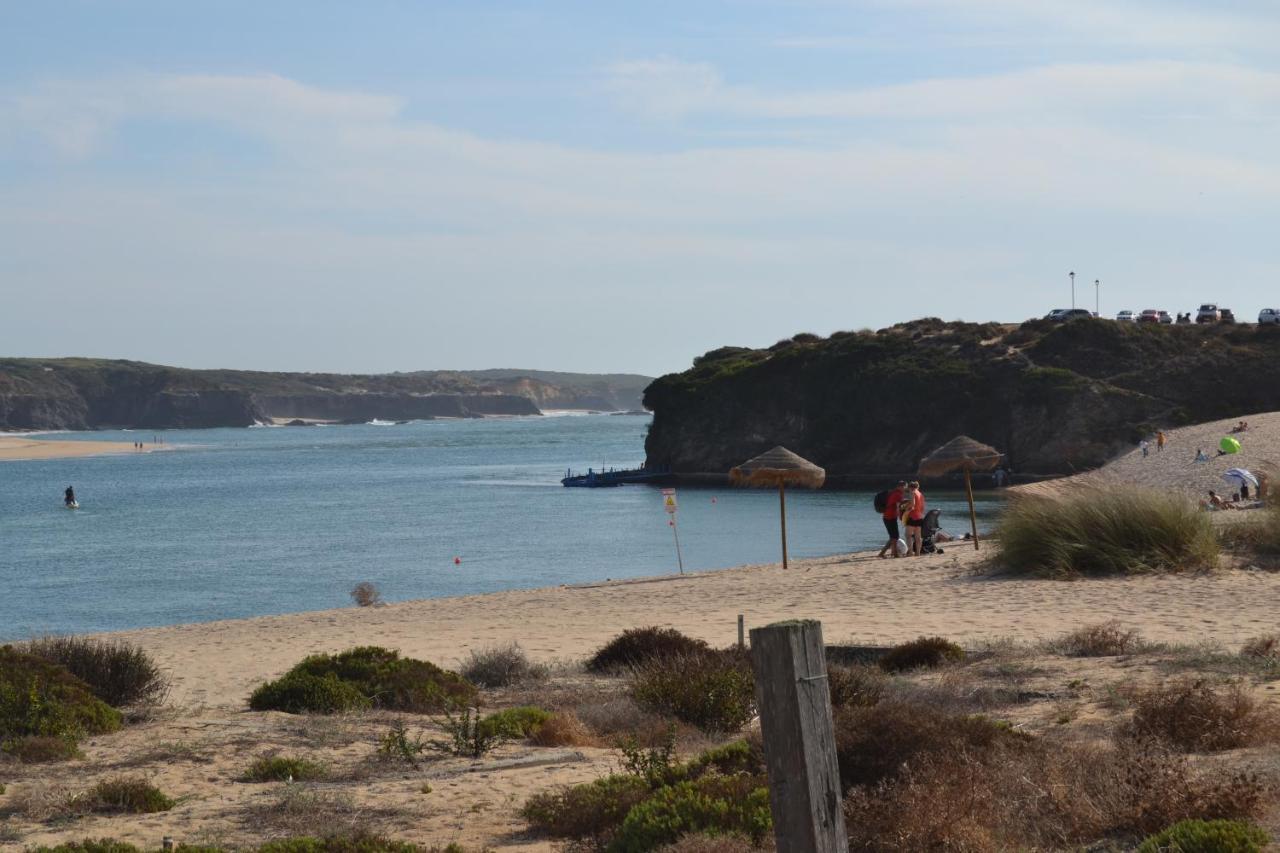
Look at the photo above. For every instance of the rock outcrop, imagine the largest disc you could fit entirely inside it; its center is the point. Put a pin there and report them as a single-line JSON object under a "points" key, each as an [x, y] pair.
{"points": [[1057, 398]]}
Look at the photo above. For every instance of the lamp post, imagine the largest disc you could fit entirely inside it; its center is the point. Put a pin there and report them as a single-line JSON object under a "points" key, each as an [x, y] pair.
{"points": [[1073, 289], [1096, 303]]}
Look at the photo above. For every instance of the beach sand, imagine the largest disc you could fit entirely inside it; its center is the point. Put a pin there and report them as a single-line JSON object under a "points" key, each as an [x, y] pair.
{"points": [[13, 449]]}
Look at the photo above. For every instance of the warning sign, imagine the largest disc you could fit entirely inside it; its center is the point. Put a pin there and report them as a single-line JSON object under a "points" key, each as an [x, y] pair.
{"points": [[669, 500]]}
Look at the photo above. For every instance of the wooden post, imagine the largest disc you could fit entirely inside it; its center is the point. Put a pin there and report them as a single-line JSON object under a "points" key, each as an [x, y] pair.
{"points": [[782, 507], [973, 516], [799, 739], [742, 637]]}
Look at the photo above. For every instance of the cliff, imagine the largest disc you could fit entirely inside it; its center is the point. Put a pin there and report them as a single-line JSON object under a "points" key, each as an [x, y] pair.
{"points": [[1057, 398]]}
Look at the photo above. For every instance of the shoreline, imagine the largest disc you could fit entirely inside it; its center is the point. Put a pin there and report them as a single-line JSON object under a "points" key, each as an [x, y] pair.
{"points": [[20, 449]]}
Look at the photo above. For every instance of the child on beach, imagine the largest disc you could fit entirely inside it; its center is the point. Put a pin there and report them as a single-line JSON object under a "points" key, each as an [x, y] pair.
{"points": [[1144, 445]]}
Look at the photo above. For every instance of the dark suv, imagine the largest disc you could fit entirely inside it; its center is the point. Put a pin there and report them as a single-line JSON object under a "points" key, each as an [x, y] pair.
{"points": [[1225, 316], [1061, 315]]}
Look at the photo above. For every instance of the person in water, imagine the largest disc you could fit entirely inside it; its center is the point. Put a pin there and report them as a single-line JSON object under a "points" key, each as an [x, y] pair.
{"points": [[70, 494]]}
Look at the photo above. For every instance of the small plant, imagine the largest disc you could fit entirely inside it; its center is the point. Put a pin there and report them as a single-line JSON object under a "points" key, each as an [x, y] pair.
{"points": [[563, 728], [637, 646], [592, 811], [514, 723], [130, 795], [398, 745], [302, 692], [1195, 717], [653, 763], [714, 691], [855, 685], [1207, 836], [468, 736], [101, 845], [1266, 647], [501, 666], [42, 699], [1106, 639], [119, 673], [38, 749], [922, 653], [365, 594], [712, 804], [358, 843], [279, 768]]}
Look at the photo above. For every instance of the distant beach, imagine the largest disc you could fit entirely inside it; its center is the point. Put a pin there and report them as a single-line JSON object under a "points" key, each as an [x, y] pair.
{"points": [[16, 448]]}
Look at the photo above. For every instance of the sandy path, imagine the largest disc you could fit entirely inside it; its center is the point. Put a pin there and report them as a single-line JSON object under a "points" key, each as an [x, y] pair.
{"points": [[857, 597], [16, 449]]}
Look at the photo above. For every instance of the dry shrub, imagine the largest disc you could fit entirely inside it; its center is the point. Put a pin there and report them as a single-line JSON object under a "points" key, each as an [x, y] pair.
{"points": [[501, 666], [1195, 717], [637, 646], [590, 812], [42, 802], [37, 749], [714, 691], [619, 716], [117, 672], [717, 844], [1099, 532], [856, 685], [1266, 647], [303, 810], [1106, 639], [128, 794], [563, 728], [365, 594], [921, 653]]}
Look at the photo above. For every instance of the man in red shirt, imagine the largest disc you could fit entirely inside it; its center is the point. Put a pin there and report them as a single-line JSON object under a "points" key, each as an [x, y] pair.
{"points": [[890, 517]]}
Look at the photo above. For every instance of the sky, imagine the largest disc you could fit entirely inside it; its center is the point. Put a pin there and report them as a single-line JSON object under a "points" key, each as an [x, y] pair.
{"points": [[587, 186]]}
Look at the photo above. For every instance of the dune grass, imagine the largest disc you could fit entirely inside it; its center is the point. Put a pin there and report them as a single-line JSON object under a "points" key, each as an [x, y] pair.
{"points": [[1103, 532]]}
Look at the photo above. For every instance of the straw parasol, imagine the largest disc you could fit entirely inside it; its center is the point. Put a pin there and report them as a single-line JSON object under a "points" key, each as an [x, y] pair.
{"points": [[962, 454], [779, 467]]}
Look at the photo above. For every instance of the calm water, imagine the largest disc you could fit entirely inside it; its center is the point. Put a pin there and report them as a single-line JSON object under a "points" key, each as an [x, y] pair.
{"points": [[246, 522]]}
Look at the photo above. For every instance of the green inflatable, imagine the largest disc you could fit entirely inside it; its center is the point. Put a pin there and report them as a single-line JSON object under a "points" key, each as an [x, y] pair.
{"points": [[1229, 445]]}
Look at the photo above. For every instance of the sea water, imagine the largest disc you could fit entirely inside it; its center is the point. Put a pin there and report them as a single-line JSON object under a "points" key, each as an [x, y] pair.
{"points": [[232, 523]]}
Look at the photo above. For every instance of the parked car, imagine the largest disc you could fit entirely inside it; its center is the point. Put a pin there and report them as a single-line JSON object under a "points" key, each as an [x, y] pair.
{"points": [[1165, 318], [1061, 315], [1269, 317], [1125, 316], [1225, 316], [1151, 315], [1208, 313]]}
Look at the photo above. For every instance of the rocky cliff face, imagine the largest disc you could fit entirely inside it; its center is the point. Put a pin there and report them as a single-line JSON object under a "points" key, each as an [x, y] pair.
{"points": [[1056, 398], [355, 406]]}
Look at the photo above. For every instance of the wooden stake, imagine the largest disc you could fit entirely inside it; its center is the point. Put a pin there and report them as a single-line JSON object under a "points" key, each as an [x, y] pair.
{"points": [[742, 637], [799, 738], [973, 516], [782, 506]]}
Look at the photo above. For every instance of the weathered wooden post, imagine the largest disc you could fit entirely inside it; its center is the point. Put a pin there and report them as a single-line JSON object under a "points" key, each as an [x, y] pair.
{"points": [[799, 739], [742, 636]]}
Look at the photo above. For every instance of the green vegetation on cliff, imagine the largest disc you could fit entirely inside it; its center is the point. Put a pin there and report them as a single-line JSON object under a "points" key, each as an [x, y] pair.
{"points": [[1057, 397]]}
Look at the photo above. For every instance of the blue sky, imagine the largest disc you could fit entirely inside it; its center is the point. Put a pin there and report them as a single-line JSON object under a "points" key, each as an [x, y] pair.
{"points": [[594, 186]]}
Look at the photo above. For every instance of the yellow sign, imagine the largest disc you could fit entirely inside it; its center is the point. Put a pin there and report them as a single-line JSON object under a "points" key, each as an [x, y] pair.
{"points": [[669, 500]]}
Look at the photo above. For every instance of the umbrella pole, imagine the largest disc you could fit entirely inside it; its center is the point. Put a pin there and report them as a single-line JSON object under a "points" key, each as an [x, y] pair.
{"points": [[782, 507], [973, 516]]}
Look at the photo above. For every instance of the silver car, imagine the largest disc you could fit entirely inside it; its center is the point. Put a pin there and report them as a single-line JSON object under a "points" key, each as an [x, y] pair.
{"points": [[1208, 313], [1125, 316]]}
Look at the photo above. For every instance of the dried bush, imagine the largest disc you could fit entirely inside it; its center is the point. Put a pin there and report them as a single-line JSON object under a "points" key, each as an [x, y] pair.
{"points": [[306, 811], [501, 666], [1195, 717], [118, 673], [1266, 647], [714, 691], [638, 646], [563, 728], [1099, 532], [620, 715], [365, 594], [921, 653], [1106, 639], [89, 845], [712, 804], [379, 676], [1207, 836], [42, 699], [590, 812], [360, 843], [715, 844], [280, 768], [40, 749], [858, 685], [129, 795], [514, 723]]}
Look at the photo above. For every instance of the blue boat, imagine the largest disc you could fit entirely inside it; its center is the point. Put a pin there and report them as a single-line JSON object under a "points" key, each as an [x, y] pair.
{"points": [[609, 477]]}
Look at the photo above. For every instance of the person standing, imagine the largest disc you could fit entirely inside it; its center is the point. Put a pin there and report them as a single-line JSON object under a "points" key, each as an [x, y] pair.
{"points": [[1159, 440], [892, 506], [1145, 445], [69, 496], [913, 500]]}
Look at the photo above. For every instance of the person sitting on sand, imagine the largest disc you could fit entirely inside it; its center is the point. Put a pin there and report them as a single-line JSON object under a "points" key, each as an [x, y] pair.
{"points": [[70, 495], [1201, 456], [1216, 501], [892, 507]]}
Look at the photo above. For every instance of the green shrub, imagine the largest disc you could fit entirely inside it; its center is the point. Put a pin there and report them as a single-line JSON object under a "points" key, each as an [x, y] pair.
{"points": [[740, 756], [922, 653], [89, 845], [641, 645], [130, 795], [38, 698], [379, 676], [339, 844], [714, 691], [711, 805], [117, 672], [1207, 836], [514, 723], [468, 735], [855, 685], [40, 749], [279, 768], [303, 693], [1100, 532], [592, 811], [1195, 717], [712, 844], [501, 666], [398, 744]]}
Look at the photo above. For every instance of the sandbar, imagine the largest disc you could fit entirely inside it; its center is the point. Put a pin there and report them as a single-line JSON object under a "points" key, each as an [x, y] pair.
{"points": [[14, 449]]}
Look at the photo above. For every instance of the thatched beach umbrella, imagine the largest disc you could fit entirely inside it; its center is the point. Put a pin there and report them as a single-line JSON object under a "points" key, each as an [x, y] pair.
{"points": [[962, 454], [779, 467]]}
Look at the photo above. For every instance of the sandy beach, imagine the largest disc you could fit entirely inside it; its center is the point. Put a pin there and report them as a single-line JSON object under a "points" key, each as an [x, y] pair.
{"points": [[14, 449]]}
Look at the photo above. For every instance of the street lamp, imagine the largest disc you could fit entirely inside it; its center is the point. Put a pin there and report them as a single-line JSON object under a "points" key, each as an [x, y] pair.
{"points": [[1073, 289], [1096, 284]]}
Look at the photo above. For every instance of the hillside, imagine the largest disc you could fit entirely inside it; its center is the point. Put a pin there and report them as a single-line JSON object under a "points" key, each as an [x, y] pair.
{"points": [[550, 389], [81, 393], [1058, 398]]}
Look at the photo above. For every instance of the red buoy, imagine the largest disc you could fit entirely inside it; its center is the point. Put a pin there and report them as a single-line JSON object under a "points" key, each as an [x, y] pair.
{"points": [[457, 561]]}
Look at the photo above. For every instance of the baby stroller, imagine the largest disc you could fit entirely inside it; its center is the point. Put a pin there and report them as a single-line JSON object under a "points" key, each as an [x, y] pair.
{"points": [[927, 531]]}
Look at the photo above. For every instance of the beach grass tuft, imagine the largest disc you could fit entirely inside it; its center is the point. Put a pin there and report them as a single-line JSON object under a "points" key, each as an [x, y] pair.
{"points": [[1103, 532], [1207, 836], [1105, 639], [128, 794], [282, 768], [501, 666]]}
